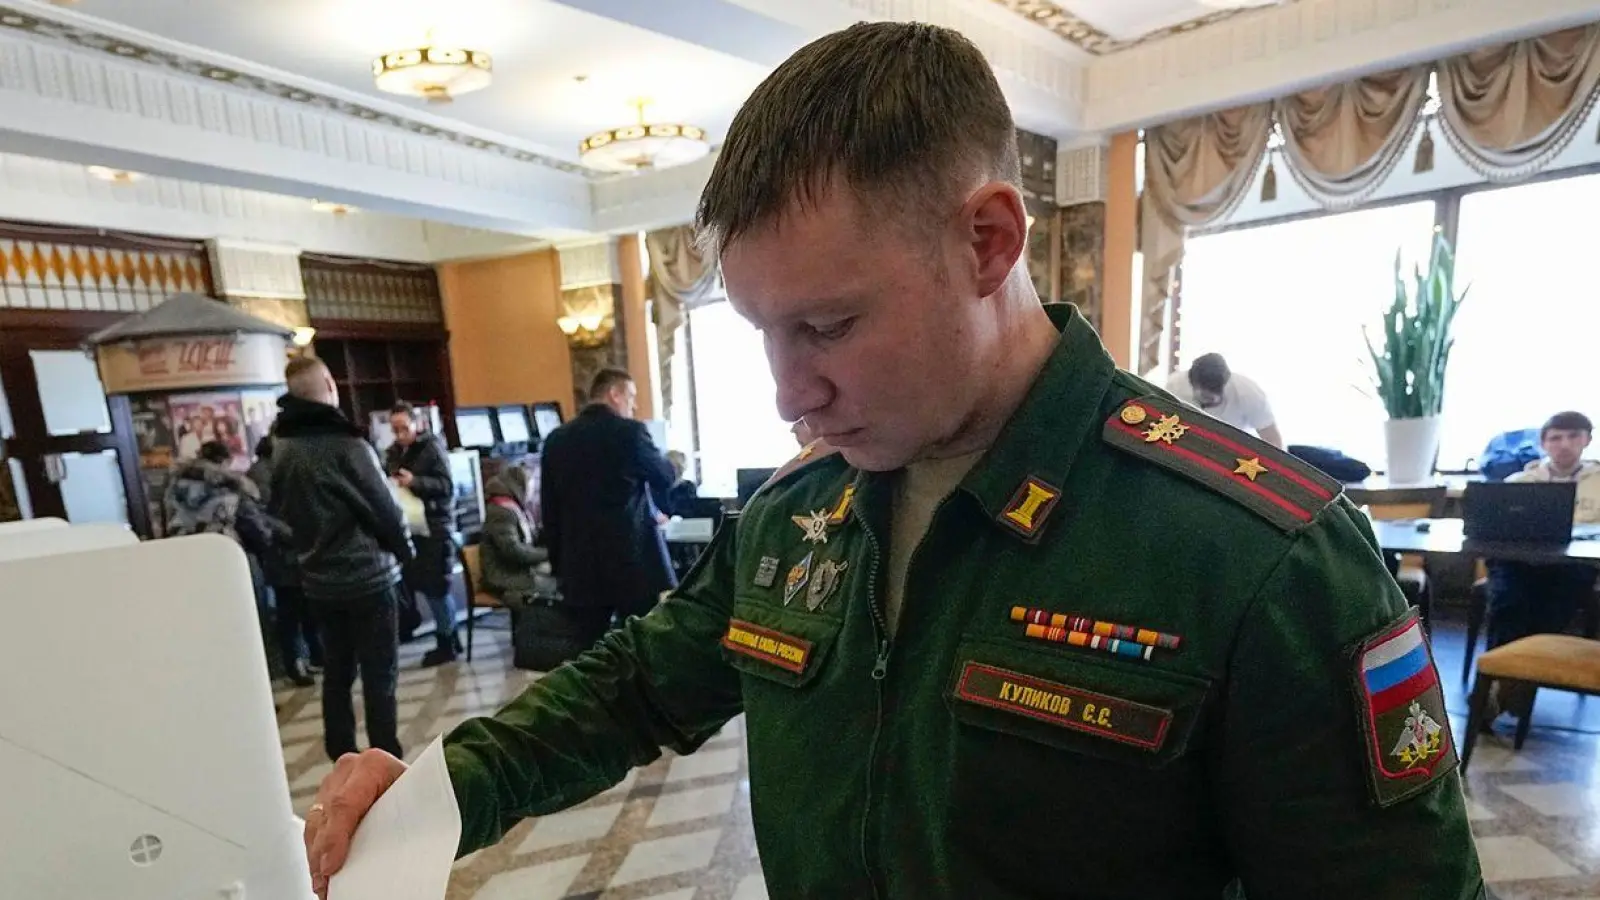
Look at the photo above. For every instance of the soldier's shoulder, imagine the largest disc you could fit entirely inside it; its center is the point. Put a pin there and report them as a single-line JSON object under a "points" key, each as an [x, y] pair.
{"points": [[813, 459], [1153, 428]]}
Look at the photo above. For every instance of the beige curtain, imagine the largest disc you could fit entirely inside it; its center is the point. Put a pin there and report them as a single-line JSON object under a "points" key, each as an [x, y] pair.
{"points": [[1510, 109], [1342, 141], [1196, 172], [683, 279]]}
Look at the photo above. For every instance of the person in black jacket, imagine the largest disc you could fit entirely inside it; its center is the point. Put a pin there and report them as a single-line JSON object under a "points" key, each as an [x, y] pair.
{"points": [[421, 464], [350, 540], [299, 645], [600, 522]]}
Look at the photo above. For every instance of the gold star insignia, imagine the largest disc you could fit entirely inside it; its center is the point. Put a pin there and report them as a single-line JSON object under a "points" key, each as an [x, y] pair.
{"points": [[1166, 430], [1250, 468]]}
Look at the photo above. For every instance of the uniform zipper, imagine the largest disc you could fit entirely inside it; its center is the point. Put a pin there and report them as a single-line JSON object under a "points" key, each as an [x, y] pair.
{"points": [[880, 671]]}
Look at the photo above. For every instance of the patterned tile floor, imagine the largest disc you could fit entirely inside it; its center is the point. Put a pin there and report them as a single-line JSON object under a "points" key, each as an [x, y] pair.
{"points": [[680, 828]]}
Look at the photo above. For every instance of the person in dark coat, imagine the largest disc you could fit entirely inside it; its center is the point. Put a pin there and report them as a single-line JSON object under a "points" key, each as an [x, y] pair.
{"points": [[600, 522], [420, 463], [351, 544], [299, 645]]}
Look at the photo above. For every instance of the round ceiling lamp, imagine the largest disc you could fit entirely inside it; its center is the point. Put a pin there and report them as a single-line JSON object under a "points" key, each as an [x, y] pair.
{"points": [[645, 145], [436, 74]]}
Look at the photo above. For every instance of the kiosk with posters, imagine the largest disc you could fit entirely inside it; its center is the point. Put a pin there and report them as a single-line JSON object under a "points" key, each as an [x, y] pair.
{"points": [[195, 370]]}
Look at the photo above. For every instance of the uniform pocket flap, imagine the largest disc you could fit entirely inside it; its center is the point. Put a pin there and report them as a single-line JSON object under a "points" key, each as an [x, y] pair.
{"points": [[776, 644], [1075, 702]]}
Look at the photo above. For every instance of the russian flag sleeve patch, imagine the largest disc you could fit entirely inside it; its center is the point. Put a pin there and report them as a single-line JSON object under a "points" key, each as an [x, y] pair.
{"points": [[1406, 734]]}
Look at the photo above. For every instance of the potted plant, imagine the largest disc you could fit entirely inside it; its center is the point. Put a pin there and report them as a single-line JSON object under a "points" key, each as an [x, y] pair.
{"points": [[1410, 362]]}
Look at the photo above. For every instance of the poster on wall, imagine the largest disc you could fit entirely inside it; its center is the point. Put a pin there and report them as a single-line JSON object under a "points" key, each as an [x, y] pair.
{"points": [[213, 416], [150, 426], [260, 411]]}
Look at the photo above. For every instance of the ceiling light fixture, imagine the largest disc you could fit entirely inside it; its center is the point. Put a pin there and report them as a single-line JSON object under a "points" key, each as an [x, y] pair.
{"points": [[115, 176], [332, 208], [436, 74], [646, 145]]}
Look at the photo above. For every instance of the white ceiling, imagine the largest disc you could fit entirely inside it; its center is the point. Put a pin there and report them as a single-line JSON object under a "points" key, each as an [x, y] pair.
{"points": [[1128, 20], [539, 49]]}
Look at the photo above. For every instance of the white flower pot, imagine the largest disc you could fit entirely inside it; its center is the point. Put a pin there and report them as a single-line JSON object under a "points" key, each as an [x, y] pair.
{"points": [[1413, 446]]}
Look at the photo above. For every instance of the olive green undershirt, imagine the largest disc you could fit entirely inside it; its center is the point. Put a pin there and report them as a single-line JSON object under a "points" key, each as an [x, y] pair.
{"points": [[919, 489]]}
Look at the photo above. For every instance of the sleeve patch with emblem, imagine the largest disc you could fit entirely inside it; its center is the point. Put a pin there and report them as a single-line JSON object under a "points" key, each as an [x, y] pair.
{"points": [[1275, 485], [1406, 735]]}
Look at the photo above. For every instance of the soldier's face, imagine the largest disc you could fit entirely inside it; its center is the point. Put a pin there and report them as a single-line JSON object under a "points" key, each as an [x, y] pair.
{"points": [[877, 338]]}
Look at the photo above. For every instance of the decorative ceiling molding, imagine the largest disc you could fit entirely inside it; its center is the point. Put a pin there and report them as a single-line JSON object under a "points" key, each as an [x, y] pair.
{"points": [[1294, 46], [1085, 36], [36, 26]]}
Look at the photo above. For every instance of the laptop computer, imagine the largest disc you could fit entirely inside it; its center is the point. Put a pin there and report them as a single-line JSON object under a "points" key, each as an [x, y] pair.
{"points": [[1523, 513]]}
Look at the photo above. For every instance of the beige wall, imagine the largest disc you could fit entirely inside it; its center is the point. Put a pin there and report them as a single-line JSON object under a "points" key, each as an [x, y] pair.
{"points": [[630, 270], [505, 346], [1119, 319]]}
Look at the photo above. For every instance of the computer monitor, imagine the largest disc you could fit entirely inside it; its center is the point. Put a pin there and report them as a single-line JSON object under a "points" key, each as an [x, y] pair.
{"points": [[749, 481], [546, 418], [475, 428], [147, 765], [513, 425]]}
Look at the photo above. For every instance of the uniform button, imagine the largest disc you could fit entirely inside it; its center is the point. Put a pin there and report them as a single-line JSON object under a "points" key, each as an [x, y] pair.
{"points": [[1133, 414]]}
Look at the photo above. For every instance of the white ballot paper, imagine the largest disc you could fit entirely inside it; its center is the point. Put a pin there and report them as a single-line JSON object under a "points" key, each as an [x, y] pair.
{"points": [[405, 846]]}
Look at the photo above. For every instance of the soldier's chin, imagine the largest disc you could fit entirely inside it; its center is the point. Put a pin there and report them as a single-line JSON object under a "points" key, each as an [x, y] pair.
{"points": [[870, 458]]}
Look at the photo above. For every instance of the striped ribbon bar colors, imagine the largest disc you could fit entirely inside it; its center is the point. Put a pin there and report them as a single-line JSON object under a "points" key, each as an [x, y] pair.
{"points": [[1092, 641], [1146, 636]]}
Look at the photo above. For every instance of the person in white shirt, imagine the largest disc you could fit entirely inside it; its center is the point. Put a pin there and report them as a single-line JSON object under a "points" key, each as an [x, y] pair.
{"points": [[1525, 598], [1211, 386]]}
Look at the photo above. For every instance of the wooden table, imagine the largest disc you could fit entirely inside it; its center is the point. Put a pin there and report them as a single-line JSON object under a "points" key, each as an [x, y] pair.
{"points": [[1445, 536]]}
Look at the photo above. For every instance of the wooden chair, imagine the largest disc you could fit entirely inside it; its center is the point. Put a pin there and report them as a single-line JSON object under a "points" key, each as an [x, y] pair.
{"points": [[472, 561], [1413, 503], [1478, 614], [1558, 661]]}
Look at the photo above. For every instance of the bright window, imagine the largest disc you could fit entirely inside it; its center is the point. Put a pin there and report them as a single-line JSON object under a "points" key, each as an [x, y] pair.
{"points": [[1285, 304], [1523, 335], [737, 401]]}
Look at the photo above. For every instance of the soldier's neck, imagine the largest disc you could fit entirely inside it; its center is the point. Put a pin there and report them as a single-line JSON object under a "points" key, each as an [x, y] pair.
{"points": [[1027, 338]]}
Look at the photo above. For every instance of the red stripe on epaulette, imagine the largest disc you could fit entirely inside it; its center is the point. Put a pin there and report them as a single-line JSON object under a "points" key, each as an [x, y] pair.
{"points": [[1260, 490], [1208, 434]]}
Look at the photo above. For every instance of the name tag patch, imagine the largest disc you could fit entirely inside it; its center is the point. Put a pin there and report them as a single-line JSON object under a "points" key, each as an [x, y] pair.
{"points": [[769, 646], [1068, 707]]}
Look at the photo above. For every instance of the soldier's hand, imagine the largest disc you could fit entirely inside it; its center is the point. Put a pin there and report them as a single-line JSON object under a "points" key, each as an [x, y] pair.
{"points": [[356, 782]]}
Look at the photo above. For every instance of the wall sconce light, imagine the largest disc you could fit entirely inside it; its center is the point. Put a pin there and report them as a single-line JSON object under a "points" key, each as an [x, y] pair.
{"points": [[588, 316], [304, 335]]}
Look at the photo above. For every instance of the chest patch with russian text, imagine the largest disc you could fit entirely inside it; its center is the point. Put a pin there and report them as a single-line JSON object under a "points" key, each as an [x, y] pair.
{"points": [[775, 647], [1069, 707], [1403, 722]]}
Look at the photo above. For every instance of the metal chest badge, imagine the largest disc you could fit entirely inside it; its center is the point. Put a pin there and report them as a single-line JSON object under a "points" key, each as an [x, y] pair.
{"points": [[767, 572], [815, 526], [823, 583], [799, 575]]}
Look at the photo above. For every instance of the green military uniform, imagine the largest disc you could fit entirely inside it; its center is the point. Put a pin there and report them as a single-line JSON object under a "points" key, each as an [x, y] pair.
{"points": [[1224, 687]]}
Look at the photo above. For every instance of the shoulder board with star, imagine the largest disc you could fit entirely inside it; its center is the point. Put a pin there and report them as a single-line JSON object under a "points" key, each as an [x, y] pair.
{"points": [[810, 454], [1271, 483]]}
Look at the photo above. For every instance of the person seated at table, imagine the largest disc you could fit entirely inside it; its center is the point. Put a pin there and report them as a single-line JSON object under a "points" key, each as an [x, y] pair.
{"points": [[507, 554], [1221, 393], [1534, 598], [682, 496]]}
